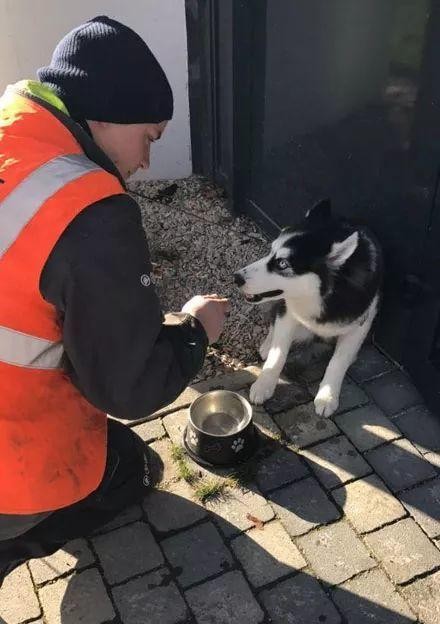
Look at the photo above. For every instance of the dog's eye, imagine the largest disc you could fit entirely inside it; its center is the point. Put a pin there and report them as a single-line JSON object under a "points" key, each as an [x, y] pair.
{"points": [[282, 264]]}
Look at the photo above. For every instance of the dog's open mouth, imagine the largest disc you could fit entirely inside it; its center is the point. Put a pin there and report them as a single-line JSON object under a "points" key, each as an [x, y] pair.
{"points": [[263, 295]]}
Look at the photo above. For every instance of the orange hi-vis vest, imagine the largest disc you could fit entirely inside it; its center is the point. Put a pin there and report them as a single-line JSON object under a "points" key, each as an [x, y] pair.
{"points": [[52, 441]]}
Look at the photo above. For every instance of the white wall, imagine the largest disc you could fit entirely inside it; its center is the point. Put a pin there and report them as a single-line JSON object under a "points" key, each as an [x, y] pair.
{"points": [[30, 30]]}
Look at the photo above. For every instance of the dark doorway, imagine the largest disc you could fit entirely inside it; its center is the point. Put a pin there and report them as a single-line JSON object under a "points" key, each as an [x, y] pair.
{"points": [[313, 99]]}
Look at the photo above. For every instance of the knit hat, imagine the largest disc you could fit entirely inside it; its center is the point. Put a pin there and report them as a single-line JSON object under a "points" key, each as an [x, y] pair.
{"points": [[103, 71]]}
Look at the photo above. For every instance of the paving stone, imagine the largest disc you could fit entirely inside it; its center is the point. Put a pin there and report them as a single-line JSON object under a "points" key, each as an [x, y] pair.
{"points": [[267, 554], [163, 448], [264, 423], [127, 551], [367, 427], [302, 506], [371, 597], [312, 372], [287, 395], [173, 509], [153, 598], [368, 503], [175, 424], [299, 600], [185, 399], [433, 458], [369, 363], [225, 600], [196, 554], [282, 467], [231, 381], [303, 427], [423, 503], [393, 392], [79, 598], [200, 472], [127, 516], [18, 601], [232, 509], [75, 555], [254, 371], [336, 461], [424, 598], [400, 465], [151, 430], [351, 396], [335, 553], [421, 427], [404, 550]]}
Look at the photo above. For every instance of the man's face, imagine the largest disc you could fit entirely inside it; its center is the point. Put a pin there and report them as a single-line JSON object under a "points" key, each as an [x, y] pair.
{"points": [[127, 145]]}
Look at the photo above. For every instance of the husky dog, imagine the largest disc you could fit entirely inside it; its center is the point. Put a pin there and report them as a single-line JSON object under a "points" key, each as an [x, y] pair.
{"points": [[325, 276]]}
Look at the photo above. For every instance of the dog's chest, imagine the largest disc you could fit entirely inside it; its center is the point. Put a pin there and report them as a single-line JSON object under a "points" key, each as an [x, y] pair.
{"points": [[305, 313], [306, 316]]}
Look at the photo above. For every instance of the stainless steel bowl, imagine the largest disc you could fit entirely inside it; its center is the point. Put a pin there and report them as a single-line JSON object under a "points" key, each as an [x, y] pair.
{"points": [[220, 413], [220, 430]]}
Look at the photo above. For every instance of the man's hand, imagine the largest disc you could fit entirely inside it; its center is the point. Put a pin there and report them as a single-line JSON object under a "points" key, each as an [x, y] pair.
{"points": [[211, 311]]}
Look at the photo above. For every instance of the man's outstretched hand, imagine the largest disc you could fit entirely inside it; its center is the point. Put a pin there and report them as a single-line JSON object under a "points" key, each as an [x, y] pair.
{"points": [[211, 311]]}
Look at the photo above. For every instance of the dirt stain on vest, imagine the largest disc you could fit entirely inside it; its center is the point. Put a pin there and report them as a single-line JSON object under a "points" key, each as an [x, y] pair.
{"points": [[18, 441]]}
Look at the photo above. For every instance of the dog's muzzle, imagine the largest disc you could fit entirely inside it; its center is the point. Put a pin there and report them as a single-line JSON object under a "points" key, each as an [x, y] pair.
{"points": [[240, 281]]}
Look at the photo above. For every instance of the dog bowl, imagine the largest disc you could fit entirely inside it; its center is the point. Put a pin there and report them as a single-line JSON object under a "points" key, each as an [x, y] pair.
{"points": [[220, 431]]}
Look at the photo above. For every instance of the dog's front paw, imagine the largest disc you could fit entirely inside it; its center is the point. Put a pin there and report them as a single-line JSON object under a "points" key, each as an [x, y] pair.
{"points": [[326, 401], [262, 389]]}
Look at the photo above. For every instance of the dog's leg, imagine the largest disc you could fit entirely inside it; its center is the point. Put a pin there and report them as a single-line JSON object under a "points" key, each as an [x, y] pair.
{"points": [[265, 345], [347, 347], [283, 333]]}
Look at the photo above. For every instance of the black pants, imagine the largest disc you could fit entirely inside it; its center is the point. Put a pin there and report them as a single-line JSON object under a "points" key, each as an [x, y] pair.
{"points": [[125, 479]]}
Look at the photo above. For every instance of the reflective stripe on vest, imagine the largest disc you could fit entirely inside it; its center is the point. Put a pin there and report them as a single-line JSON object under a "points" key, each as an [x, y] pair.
{"points": [[16, 210], [23, 350], [24, 201]]}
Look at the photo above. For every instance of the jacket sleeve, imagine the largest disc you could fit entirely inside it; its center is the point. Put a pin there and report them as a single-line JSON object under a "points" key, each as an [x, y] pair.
{"points": [[123, 354]]}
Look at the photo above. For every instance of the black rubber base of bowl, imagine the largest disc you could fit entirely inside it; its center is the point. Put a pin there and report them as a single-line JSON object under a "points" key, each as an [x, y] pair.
{"points": [[206, 464]]}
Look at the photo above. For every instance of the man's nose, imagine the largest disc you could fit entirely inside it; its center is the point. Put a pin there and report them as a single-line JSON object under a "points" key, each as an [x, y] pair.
{"points": [[239, 279]]}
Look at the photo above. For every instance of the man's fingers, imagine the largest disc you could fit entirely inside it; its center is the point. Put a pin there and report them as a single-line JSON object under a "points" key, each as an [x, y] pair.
{"points": [[217, 298]]}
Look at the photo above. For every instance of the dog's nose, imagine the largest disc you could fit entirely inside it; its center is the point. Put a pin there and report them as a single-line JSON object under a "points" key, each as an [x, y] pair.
{"points": [[239, 279]]}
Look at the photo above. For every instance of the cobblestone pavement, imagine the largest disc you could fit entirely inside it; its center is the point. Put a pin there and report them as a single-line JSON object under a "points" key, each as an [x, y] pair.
{"points": [[335, 521]]}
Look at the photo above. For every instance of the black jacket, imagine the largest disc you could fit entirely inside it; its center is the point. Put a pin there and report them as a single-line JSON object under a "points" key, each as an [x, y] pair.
{"points": [[121, 352]]}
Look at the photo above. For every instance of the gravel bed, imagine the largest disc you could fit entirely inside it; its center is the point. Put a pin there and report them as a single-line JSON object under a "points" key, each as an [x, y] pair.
{"points": [[196, 245]]}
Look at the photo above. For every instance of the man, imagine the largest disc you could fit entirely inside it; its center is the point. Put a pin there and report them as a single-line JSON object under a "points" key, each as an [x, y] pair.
{"points": [[81, 329]]}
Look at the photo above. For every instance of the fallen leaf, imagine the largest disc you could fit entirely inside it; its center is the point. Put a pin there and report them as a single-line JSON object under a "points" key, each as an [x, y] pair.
{"points": [[258, 523]]}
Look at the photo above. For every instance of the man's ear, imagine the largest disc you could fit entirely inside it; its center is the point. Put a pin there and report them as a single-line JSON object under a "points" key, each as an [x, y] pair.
{"points": [[342, 250], [322, 211]]}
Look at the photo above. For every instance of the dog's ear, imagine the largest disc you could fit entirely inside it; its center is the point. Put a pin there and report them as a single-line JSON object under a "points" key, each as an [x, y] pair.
{"points": [[342, 250], [322, 211]]}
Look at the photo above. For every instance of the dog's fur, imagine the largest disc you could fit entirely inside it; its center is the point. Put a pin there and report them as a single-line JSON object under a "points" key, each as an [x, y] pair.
{"points": [[325, 276]]}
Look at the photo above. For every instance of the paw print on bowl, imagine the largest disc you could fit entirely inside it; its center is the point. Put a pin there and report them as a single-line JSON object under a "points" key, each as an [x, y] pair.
{"points": [[193, 438], [237, 445]]}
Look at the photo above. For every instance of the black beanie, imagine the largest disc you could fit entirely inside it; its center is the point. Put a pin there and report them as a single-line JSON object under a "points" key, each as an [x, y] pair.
{"points": [[103, 71]]}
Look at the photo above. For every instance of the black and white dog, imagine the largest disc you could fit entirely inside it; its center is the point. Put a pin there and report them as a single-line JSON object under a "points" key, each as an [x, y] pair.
{"points": [[325, 275]]}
